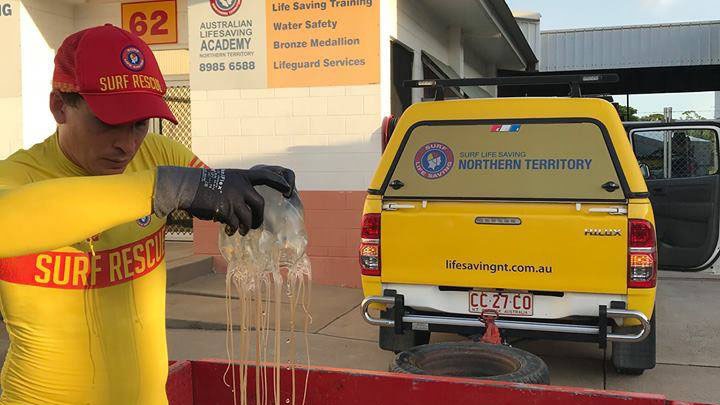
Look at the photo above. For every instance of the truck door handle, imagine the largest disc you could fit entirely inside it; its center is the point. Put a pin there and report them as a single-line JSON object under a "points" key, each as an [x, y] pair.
{"points": [[395, 207], [610, 210]]}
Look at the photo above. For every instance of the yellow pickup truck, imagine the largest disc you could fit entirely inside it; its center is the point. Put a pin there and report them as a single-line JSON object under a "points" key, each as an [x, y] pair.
{"points": [[534, 210]]}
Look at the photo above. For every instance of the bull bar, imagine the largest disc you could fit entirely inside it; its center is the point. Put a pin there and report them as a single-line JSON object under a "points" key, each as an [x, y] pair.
{"points": [[598, 330]]}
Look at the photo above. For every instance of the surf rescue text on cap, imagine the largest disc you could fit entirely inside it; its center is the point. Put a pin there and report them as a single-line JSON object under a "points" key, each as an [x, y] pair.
{"points": [[115, 72]]}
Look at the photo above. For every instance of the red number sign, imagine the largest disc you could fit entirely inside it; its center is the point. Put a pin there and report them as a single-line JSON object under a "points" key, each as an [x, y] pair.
{"points": [[153, 21]]}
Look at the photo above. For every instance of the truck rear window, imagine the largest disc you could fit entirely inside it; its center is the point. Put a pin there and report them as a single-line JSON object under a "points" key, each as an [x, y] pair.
{"points": [[568, 160]]}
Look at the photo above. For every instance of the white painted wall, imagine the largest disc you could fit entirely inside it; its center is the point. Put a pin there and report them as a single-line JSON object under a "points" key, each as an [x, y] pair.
{"points": [[419, 30], [328, 135], [43, 25], [10, 86], [11, 116], [388, 30], [93, 14]]}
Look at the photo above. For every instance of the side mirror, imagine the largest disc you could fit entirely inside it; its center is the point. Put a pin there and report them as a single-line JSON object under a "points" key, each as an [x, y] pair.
{"points": [[645, 169]]}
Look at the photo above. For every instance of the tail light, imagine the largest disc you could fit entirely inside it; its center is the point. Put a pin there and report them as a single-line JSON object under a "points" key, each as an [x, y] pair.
{"points": [[370, 245], [642, 254]]}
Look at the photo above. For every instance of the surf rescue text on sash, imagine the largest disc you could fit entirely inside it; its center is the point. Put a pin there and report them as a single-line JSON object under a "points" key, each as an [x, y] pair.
{"points": [[75, 270]]}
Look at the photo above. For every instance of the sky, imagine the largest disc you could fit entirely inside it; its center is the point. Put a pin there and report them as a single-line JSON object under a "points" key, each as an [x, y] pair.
{"points": [[564, 14]]}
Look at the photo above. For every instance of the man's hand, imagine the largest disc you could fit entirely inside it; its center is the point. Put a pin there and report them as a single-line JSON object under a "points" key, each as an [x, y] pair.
{"points": [[225, 195]]}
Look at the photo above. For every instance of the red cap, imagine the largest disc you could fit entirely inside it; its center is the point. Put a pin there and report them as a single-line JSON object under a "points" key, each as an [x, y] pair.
{"points": [[115, 72]]}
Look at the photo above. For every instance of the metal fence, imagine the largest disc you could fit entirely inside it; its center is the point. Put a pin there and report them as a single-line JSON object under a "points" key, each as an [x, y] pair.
{"points": [[693, 153], [179, 224], [676, 153]]}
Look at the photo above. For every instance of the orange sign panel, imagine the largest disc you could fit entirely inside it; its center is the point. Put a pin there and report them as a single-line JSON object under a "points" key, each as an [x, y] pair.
{"points": [[323, 43], [153, 21]]}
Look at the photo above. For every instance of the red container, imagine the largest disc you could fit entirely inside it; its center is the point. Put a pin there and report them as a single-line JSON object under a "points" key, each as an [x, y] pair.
{"points": [[201, 383]]}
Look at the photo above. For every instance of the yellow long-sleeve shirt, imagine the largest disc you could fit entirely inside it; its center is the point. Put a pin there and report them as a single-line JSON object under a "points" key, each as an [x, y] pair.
{"points": [[84, 327]]}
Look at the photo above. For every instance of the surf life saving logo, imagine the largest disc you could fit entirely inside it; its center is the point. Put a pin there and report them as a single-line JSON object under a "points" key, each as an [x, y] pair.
{"points": [[144, 221], [133, 59], [434, 160], [225, 8]]}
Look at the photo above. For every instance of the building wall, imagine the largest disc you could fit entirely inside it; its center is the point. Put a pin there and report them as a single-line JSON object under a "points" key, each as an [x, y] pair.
{"points": [[44, 25], [330, 136], [11, 117], [41, 25], [11, 85], [417, 30], [420, 30]]}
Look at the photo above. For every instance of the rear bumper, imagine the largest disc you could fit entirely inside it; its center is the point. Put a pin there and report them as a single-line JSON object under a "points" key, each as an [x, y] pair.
{"points": [[425, 322]]}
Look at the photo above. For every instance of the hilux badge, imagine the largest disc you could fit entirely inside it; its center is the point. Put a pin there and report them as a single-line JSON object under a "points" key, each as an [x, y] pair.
{"points": [[602, 232]]}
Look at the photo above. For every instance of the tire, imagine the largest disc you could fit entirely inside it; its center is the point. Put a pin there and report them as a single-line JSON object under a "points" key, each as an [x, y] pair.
{"points": [[389, 340], [475, 360], [635, 358]]}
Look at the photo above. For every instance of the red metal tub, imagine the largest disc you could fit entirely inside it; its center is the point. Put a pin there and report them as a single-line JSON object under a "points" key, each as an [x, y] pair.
{"points": [[201, 383]]}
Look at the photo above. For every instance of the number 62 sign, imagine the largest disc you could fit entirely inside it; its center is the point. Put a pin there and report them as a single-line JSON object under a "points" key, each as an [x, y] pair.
{"points": [[153, 21]]}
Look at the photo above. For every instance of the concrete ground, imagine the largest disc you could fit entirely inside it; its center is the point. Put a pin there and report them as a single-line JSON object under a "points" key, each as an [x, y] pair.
{"points": [[688, 344]]}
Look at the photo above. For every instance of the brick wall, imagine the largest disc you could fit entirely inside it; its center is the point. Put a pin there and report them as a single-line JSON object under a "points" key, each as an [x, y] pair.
{"points": [[332, 219], [329, 135]]}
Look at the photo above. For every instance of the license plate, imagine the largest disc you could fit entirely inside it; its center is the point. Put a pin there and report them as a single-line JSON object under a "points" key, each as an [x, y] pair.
{"points": [[505, 303]]}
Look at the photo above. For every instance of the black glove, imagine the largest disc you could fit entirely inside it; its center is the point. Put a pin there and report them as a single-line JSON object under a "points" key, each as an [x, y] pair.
{"points": [[289, 176], [224, 195], [286, 174]]}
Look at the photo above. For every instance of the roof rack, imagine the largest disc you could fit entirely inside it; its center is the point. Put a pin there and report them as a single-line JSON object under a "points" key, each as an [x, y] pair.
{"points": [[574, 81]]}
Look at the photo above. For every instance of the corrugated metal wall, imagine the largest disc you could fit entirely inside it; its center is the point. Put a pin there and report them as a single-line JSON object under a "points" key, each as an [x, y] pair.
{"points": [[631, 46]]}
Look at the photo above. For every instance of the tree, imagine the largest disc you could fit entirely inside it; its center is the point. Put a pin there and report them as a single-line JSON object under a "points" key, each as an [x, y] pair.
{"points": [[691, 115], [653, 117], [624, 110]]}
